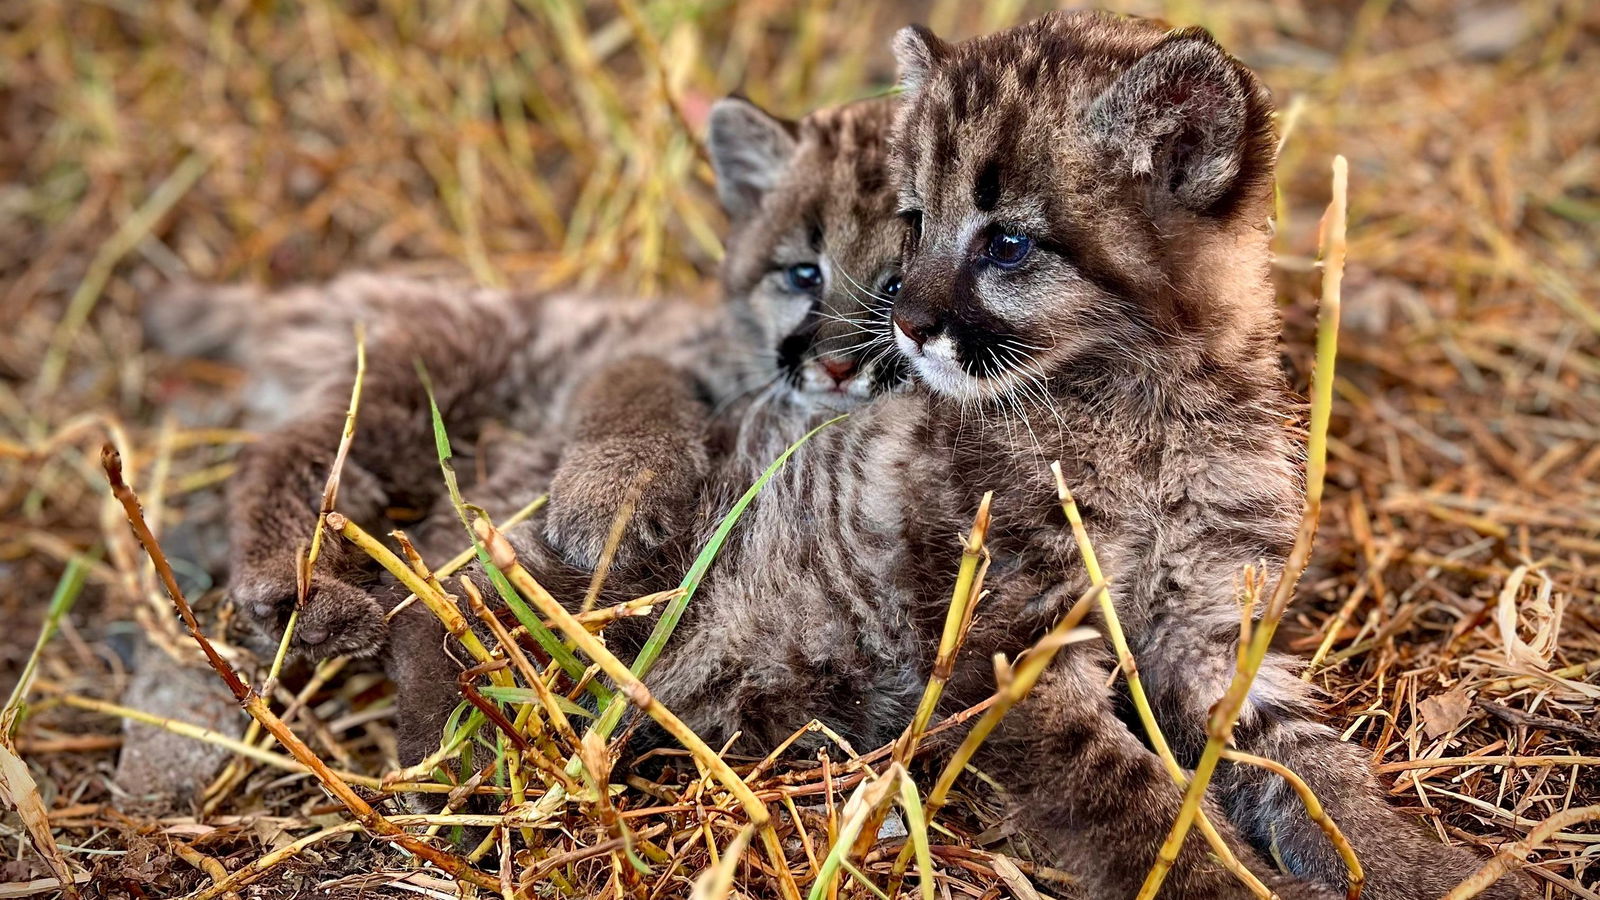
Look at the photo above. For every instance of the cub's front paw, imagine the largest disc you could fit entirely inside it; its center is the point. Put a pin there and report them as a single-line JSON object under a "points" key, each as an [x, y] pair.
{"points": [[585, 500], [338, 619]]}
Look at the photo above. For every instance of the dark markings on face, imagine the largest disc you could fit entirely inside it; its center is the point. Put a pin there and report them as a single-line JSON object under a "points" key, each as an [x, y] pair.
{"points": [[1011, 130], [986, 190], [978, 334], [793, 352]]}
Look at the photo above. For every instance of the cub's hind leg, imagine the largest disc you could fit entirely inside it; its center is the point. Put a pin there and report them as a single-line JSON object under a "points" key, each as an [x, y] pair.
{"points": [[1101, 802], [1187, 663]]}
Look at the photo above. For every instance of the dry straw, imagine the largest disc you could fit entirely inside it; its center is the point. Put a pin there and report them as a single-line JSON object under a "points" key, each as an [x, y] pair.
{"points": [[1449, 607]]}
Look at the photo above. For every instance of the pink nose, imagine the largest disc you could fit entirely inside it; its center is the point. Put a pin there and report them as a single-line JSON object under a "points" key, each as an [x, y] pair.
{"points": [[839, 370]]}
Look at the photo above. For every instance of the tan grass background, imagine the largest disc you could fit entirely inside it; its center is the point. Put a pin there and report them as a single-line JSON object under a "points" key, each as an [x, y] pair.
{"points": [[553, 141]]}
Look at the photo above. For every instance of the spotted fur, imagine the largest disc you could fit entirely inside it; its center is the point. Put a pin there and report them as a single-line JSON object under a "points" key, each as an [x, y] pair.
{"points": [[575, 393], [1136, 345], [1138, 341]]}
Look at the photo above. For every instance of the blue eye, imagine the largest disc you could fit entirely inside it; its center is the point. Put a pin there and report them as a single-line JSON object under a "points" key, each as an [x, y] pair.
{"points": [[803, 277], [1008, 250], [891, 288]]}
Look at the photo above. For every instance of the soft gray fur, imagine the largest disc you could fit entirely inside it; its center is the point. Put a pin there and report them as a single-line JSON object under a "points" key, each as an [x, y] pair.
{"points": [[579, 393]]}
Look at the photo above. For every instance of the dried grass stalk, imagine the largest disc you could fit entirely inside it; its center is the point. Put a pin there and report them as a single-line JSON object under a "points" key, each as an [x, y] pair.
{"points": [[254, 704], [634, 689], [1141, 701], [1357, 877], [1226, 711], [1511, 854]]}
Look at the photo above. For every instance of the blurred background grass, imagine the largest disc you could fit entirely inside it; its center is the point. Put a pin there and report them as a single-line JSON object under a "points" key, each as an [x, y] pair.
{"points": [[542, 142]]}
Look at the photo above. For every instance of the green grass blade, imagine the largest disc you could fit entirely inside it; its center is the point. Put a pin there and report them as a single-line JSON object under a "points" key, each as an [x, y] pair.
{"points": [[857, 810], [862, 879], [66, 593], [659, 636], [528, 695], [657, 642], [917, 834], [545, 638]]}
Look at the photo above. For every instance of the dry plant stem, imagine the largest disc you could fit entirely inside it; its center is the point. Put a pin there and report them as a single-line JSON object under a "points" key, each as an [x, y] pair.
{"points": [[490, 711], [446, 611], [716, 882], [256, 869], [205, 864], [636, 692], [1463, 762], [1024, 675], [871, 795], [944, 662], [1130, 671], [219, 789], [531, 675], [507, 728], [307, 564], [969, 583], [195, 732], [19, 791], [1511, 854], [597, 619], [414, 559], [458, 796], [1314, 809], [524, 666], [257, 707], [1226, 711], [1577, 670], [254, 752], [471, 553]]}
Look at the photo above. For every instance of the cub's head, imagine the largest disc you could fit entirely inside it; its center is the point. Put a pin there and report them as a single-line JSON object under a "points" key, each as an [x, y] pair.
{"points": [[1083, 192], [813, 247]]}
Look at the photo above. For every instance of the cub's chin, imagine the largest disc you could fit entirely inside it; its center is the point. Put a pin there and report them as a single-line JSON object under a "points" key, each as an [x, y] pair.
{"points": [[814, 390], [937, 365], [829, 399]]}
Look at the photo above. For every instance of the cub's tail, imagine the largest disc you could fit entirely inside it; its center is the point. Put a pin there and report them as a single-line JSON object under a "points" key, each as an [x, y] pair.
{"points": [[204, 321]]}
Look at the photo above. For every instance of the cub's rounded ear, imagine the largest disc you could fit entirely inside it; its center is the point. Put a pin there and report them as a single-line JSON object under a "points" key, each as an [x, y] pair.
{"points": [[749, 150], [1193, 119], [918, 51]]}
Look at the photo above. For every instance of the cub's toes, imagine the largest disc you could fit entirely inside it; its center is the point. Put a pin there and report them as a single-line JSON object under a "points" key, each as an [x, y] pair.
{"points": [[340, 619], [580, 535], [263, 601]]}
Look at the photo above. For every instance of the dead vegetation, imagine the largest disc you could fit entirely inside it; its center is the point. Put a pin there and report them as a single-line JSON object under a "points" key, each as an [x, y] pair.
{"points": [[1450, 604]]}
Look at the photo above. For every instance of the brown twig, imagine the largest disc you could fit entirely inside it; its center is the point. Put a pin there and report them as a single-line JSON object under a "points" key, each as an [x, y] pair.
{"points": [[256, 706], [204, 863], [1529, 720], [1511, 854]]}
